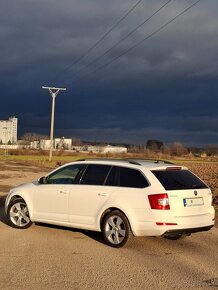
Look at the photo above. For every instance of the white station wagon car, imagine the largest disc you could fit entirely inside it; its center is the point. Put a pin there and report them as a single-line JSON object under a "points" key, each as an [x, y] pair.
{"points": [[120, 198]]}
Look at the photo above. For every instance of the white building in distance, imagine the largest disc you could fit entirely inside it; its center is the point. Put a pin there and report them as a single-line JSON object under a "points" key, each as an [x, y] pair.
{"points": [[107, 149], [8, 131], [44, 144], [62, 143], [66, 144], [100, 149], [40, 144]]}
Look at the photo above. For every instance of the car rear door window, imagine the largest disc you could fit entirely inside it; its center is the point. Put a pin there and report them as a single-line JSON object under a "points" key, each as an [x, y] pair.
{"points": [[178, 179], [95, 174]]}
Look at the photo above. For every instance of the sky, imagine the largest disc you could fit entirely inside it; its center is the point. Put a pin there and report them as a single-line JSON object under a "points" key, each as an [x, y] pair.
{"points": [[160, 82]]}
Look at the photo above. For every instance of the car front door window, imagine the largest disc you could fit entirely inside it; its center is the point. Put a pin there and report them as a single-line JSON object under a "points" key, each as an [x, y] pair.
{"points": [[65, 175]]}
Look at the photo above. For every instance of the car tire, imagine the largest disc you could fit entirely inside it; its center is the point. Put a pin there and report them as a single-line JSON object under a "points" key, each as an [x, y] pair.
{"points": [[18, 214], [116, 229]]}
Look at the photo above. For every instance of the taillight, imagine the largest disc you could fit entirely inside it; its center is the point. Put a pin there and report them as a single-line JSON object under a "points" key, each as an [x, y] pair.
{"points": [[159, 201]]}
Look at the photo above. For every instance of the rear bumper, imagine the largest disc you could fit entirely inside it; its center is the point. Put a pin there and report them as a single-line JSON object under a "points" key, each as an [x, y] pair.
{"points": [[187, 231], [158, 223]]}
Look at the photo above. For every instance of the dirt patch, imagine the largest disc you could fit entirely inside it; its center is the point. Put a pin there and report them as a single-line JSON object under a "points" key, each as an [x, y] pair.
{"points": [[14, 173], [4, 188], [15, 166]]}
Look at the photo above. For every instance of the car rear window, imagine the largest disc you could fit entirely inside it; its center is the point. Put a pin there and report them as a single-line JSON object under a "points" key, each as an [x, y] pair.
{"points": [[178, 179]]}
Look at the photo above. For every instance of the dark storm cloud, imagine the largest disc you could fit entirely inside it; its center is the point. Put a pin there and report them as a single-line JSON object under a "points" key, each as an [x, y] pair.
{"points": [[164, 89]]}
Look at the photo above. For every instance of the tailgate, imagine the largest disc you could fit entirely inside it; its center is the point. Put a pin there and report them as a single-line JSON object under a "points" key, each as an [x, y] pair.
{"points": [[188, 194], [190, 202]]}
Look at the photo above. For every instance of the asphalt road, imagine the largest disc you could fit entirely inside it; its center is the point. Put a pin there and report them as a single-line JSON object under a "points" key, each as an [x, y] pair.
{"points": [[47, 257]]}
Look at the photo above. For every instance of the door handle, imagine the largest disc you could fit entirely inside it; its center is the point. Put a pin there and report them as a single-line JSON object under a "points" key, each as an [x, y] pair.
{"points": [[102, 194], [64, 191]]}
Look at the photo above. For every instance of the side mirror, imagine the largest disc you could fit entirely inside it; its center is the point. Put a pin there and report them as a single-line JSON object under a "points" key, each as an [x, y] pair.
{"points": [[42, 180]]}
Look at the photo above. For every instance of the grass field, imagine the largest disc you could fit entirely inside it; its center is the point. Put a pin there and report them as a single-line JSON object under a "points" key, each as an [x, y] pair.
{"points": [[42, 159], [205, 169]]}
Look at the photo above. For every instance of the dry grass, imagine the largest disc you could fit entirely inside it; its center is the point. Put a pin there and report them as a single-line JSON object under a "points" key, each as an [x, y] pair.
{"points": [[206, 170]]}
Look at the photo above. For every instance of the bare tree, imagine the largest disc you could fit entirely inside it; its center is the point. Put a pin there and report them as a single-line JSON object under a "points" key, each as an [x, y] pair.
{"points": [[178, 149], [76, 141], [211, 150], [30, 137], [154, 145]]}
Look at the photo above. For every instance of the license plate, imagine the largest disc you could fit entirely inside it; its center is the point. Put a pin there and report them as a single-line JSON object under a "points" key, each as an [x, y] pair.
{"points": [[193, 201]]}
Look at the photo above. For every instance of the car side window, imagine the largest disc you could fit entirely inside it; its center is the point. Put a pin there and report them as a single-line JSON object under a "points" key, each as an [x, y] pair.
{"points": [[95, 174], [65, 175], [132, 178]]}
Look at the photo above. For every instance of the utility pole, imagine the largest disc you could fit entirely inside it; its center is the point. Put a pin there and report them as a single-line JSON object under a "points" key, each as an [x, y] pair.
{"points": [[53, 92]]}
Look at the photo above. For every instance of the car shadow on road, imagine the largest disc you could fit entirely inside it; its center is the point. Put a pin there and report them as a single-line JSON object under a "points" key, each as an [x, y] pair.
{"points": [[97, 236], [3, 217]]}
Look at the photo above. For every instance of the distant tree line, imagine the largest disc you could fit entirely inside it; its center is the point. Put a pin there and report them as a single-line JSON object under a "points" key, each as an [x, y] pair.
{"points": [[151, 146], [30, 137], [176, 149]]}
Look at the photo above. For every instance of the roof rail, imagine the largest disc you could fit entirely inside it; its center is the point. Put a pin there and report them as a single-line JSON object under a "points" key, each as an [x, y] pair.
{"points": [[166, 162], [137, 161], [131, 161]]}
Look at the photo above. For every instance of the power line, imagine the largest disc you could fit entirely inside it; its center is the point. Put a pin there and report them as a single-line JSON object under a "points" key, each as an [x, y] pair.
{"points": [[125, 37], [143, 40], [130, 33], [103, 37]]}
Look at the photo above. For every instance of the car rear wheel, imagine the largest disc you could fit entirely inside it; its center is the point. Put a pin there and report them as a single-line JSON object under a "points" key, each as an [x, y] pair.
{"points": [[116, 230], [18, 214]]}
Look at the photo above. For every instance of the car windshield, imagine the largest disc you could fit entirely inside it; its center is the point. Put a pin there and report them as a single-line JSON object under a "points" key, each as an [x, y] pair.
{"points": [[178, 179]]}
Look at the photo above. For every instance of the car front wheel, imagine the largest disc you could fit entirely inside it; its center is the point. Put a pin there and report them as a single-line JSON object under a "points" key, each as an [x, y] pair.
{"points": [[116, 230], [18, 214]]}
